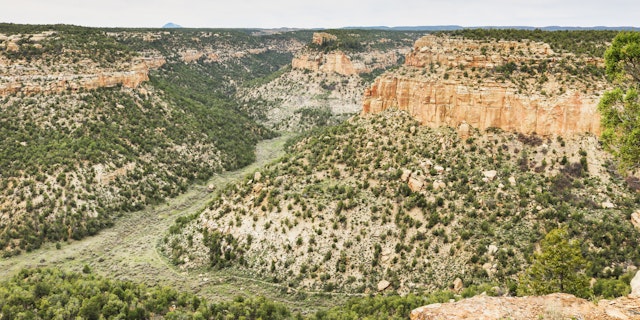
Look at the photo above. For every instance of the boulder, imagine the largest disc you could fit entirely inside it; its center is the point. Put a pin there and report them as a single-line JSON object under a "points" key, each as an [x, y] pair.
{"points": [[382, 285], [257, 187], [257, 176], [211, 187], [635, 285], [439, 169], [415, 184], [457, 285], [406, 174], [490, 174], [438, 184], [512, 181], [426, 165], [608, 205], [635, 219]]}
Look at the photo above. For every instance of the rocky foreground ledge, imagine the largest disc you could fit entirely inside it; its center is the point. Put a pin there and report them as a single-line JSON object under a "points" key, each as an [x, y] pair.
{"points": [[553, 306]]}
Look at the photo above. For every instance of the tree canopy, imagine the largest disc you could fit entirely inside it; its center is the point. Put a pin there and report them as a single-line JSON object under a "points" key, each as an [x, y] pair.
{"points": [[620, 107], [558, 267]]}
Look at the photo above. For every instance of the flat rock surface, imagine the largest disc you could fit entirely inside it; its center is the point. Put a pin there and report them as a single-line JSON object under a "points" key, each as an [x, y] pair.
{"points": [[553, 306]]}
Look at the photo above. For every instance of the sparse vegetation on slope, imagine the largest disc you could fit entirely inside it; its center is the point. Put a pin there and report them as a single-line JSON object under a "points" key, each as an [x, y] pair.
{"points": [[73, 160], [591, 43], [381, 198]]}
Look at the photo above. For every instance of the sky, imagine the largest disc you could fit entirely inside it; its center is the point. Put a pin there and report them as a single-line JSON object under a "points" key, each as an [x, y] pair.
{"points": [[322, 13]]}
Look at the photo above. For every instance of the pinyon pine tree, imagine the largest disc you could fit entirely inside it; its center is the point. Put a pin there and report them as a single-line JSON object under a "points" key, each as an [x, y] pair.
{"points": [[558, 267]]}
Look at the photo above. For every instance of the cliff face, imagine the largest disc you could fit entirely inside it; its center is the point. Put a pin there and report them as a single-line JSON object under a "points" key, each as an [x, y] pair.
{"points": [[341, 63], [15, 79], [448, 82]]}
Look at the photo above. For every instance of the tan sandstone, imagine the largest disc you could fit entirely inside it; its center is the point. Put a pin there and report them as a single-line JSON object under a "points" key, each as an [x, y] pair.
{"points": [[553, 306], [436, 99]]}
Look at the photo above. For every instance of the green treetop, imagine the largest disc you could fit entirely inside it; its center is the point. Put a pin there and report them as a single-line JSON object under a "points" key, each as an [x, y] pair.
{"points": [[620, 107], [558, 267]]}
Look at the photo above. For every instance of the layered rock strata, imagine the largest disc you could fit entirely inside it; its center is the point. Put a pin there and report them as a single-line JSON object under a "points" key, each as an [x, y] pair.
{"points": [[449, 82], [34, 82], [341, 63]]}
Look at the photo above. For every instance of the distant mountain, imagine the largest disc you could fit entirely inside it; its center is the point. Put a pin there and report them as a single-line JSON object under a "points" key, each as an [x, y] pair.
{"points": [[456, 27], [171, 25]]}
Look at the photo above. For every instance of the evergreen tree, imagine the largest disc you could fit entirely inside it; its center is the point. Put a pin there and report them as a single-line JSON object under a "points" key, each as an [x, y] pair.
{"points": [[558, 267], [620, 107]]}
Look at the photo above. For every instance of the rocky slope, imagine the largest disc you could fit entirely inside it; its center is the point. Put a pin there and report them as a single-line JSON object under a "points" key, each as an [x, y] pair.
{"points": [[519, 86], [381, 203], [95, 123], [325, 82]]}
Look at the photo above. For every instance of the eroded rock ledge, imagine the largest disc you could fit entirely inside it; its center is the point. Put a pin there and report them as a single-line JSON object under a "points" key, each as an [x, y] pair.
{"points": [[18, 79], [553, 306], [448, 82]]}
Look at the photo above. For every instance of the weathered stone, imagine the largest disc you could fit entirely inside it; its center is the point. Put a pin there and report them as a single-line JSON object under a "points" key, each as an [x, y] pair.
{"points": [[415, 184], [257, 187], [635, 219], [257, 176], [426, 165], [439, 169], [490, 174], [635, 285], [438, 184], [406, 174], [553, 306], [608, 205], [512, 181], [492, 249], [457, 285], [382, 285]]}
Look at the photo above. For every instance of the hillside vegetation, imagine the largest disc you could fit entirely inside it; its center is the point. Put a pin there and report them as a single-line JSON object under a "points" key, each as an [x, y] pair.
{"points": [[382, 199], [75, 159], [50, 293]]}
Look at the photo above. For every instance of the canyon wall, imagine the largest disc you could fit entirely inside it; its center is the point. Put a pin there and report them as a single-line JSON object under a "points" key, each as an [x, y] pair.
{"points": [[16, 79], [341, 63], [448, 82]]}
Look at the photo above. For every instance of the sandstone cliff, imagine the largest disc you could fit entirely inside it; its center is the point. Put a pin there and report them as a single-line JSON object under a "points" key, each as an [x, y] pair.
{"points": [[341, 63], [320, 38], [16, 79], [514, 86], [553, 306]]}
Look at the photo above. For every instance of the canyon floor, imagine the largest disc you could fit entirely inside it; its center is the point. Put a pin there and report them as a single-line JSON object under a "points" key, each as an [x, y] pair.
{"points": [[128, 251]]}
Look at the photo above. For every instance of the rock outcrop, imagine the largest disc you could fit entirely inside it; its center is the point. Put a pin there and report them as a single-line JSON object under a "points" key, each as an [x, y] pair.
{"points": [[635, 285], [553, 306], [341, 63], [448, 82], [337, 62], [34, 82], [320, 38]]}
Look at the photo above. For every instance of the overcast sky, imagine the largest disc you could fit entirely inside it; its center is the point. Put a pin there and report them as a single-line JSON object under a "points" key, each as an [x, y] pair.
{"points": [[322, 13]]}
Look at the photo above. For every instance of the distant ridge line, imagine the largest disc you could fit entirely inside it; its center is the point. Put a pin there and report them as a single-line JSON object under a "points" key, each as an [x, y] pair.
{"points": [[457, 27]]}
